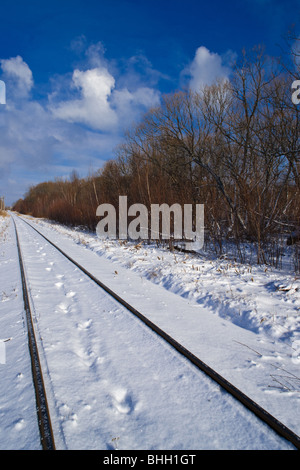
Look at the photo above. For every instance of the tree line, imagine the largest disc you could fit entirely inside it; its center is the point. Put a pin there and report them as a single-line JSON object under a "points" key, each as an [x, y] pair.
{"points": [[232, 146]]}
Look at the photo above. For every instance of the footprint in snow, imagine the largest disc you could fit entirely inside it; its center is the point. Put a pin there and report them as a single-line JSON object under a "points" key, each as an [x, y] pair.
{"points": [[64, 410], [63, 307], [122, 400], [84, 325], [20, 424], [70, 294], [51, 263], [68, 415]]}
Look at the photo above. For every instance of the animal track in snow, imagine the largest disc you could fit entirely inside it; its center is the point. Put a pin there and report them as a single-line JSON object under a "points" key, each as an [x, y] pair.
{"points": [[51, 263], [63, 306], [88, 358], [67, 414], [20, 424], [84, 325], [70, 294], [122, 400]]}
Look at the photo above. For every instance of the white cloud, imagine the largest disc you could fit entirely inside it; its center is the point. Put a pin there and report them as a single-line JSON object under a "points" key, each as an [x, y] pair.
{"points": [[138, 71], [206, 68], [128, 104], [102, 98], [16, 70], [79, 125], [93, 107]]}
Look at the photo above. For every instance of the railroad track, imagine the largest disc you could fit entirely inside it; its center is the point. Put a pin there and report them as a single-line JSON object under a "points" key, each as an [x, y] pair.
{"points": [[46, 432], [44, 421]]}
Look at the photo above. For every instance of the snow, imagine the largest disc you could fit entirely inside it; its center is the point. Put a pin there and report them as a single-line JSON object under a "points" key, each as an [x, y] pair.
{"points": [[17, 401], [111, 383]]}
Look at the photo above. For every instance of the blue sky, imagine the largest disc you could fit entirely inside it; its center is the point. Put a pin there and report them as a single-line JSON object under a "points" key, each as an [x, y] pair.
{"points": [[77, 73]]}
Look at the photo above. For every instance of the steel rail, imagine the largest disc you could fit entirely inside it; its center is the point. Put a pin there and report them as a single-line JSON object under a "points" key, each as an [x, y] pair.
{"points": [[250, 404], [43, 415]]}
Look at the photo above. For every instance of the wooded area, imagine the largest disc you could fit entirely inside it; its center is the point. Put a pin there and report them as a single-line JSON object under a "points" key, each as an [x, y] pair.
{"points": [[233, 146]]}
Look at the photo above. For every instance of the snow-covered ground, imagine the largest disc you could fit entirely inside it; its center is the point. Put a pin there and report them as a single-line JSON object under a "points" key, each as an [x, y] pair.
{"points": [[258, 298], [241, 320], [18, 429]]}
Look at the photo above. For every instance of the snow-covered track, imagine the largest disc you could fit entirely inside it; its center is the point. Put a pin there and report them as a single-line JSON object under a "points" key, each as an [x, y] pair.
{"points": [[251, 405], [44, 421]]}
